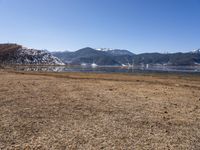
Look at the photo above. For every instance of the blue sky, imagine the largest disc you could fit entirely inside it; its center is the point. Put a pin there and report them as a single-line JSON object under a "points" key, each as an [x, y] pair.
{"points": [[136, 25]]}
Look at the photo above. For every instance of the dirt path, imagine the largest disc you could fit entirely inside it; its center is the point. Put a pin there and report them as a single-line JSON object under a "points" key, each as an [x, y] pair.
{"points": [[99, 111]]}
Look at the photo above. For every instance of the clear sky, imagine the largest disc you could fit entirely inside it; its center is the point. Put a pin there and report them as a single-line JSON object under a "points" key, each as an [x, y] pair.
{"points": [[136, 25]]}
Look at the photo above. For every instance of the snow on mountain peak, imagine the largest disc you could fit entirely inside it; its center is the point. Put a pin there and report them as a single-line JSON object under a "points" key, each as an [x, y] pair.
{"points": [[196, 51], [104, 49]]}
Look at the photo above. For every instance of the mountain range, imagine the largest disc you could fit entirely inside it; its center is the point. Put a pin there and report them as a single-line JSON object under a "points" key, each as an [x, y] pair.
{"points": [[17, 54], [124, 57]]}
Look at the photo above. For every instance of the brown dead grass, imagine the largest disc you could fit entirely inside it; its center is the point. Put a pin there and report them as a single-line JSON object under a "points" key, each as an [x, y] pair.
{"points": [[99, 111], [7, 48]]}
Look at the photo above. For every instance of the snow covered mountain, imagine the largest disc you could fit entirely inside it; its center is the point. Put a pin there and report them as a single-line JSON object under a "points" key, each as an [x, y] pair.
{"points": [[86, 55], [196, 51], [104, 49], [123, 57], [16, 54], [116, 52], [119, 52]]}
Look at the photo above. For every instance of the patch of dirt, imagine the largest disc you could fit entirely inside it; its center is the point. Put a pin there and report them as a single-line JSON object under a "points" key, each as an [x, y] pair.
{"points": [[99, 111]]}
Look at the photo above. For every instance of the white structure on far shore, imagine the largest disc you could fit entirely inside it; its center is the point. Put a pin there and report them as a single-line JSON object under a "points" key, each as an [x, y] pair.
{"points": [[94, 65]]}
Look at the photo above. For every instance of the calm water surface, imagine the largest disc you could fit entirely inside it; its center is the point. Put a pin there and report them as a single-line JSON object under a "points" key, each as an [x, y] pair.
{"points": [[111, 69]]}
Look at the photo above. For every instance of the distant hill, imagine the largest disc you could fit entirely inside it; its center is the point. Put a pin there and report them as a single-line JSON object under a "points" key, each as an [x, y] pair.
{"points": [[176, 59], [87, 55], [62, 55], [16, 54], [125, 57], [100, 57]]}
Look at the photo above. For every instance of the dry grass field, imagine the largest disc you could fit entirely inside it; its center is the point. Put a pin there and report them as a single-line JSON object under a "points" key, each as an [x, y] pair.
{"points": [[99, 111]]}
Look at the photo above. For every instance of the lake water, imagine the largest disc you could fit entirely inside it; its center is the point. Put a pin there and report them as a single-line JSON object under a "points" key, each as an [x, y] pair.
{"points": [[111, 69]]}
